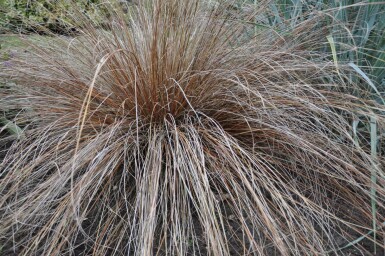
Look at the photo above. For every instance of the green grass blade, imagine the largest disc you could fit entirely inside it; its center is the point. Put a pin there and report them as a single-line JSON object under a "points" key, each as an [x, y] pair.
{"points": [[354, 126], [379, 65], [356, 241], [373, 150], [334, 52], [366, 78], [11, 127], [277, 18]]}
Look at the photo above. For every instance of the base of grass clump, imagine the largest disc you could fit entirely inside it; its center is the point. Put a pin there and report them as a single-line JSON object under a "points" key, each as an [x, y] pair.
{"points": [[179, 130]]}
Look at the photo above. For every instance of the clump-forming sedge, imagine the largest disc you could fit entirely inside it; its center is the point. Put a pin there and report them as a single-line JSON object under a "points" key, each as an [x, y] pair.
{"points": [[179, 128]]}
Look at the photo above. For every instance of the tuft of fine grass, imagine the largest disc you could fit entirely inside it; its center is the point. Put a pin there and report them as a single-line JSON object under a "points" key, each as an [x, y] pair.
{"points": [[180, 129]]}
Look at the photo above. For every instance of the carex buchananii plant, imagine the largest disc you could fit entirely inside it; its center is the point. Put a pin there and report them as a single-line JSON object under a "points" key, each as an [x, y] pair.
{"points": [[183, 128]]}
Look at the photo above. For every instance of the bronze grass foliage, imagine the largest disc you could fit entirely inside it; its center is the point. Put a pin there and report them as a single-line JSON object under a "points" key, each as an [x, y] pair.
{"points": [[181, 129]]}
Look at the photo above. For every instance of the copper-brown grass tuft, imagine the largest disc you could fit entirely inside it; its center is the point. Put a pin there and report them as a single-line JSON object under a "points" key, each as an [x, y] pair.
{"points": [[178, 129]]}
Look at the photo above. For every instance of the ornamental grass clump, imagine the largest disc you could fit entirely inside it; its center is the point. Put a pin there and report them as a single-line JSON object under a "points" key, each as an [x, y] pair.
{"points": [[184, 128]]}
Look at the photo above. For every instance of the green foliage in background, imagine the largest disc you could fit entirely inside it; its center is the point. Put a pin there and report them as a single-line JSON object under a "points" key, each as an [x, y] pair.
{"points": [[357, 28], [357, 38], [27, 15]]}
